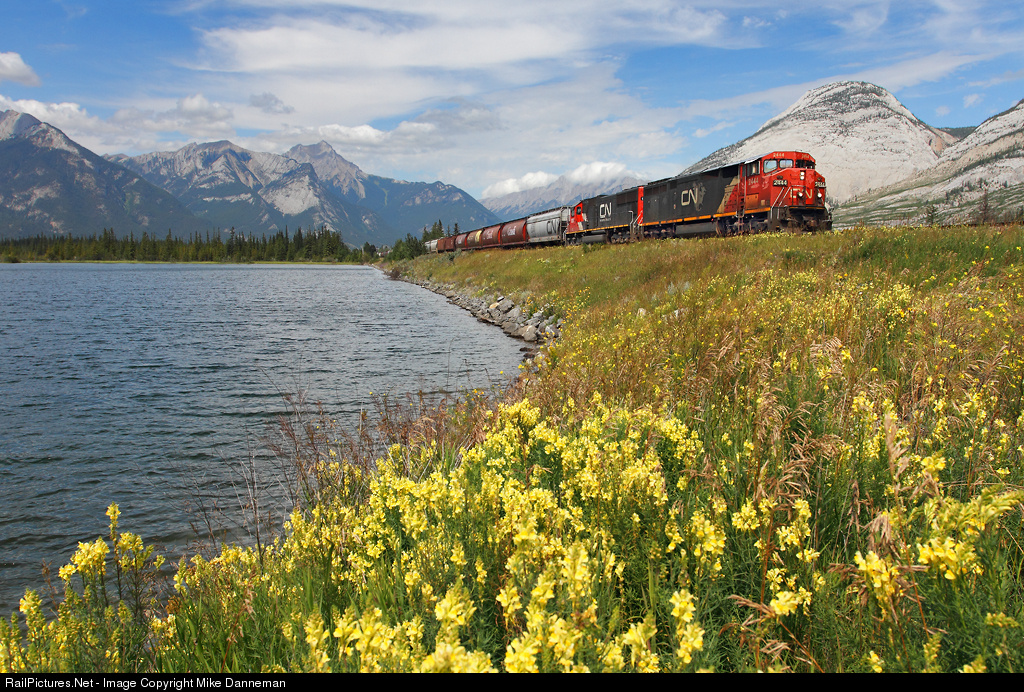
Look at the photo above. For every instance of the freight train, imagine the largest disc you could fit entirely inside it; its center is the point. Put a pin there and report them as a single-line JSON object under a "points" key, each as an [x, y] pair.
{"points": [[772, 192]]}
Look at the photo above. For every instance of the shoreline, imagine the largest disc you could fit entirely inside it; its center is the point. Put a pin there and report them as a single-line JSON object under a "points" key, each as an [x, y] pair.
{"points": [[537, 329]]}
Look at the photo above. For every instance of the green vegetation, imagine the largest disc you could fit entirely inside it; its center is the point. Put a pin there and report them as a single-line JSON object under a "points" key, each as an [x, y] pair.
{"points": [[313, 245], [411, 246], [777, 452]]}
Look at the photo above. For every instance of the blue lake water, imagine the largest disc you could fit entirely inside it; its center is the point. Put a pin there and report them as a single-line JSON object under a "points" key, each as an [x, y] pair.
{"points": [[129, 383]]}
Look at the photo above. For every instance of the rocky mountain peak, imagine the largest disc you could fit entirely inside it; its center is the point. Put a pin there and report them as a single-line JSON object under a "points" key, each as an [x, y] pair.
{"points": [[332, 168], [15, 124]]}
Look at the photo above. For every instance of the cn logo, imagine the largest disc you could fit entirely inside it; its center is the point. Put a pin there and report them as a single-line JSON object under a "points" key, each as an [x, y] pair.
{"points": [[694, 196], [605, 211]]}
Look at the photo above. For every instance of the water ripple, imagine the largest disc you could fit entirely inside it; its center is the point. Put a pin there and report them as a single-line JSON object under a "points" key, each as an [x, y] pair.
{"points": [[126, 383]]}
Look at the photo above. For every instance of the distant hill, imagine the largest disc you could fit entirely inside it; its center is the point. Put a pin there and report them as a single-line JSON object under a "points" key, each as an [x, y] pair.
{"points": [[52, 185]]}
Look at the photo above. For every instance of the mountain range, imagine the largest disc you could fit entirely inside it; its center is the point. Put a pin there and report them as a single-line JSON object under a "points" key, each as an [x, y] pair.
{"points": [[256, 192], [51, 185], [881, 163]]}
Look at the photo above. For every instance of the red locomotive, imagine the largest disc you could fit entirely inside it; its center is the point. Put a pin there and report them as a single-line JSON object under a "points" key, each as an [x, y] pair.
{"points": [[776, 191]]}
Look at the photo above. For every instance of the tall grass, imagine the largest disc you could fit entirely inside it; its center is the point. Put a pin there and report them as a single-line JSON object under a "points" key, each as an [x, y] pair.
{"points": [[769, 453]]}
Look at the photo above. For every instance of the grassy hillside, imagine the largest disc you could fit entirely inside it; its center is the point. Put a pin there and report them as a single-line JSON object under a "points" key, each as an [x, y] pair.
{"points": [[767, 453]]}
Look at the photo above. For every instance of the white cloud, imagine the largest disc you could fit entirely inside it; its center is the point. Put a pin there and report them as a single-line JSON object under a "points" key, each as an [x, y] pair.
{"points": [[971, 100], [65, 116], [596, 172], [593, 172], [863, 18], [14, 69], [194, 116], [528, 181], [901, 74], [702, 132], [1008, 76], [942, 110]]}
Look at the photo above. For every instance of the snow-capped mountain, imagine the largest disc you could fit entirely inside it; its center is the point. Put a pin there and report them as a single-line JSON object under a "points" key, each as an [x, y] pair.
{"points": [[564, 191], [978, 178], [861, 136], [50, 184]]}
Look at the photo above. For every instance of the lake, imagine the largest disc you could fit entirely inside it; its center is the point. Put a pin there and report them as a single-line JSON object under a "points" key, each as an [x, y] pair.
{"points": [[139, 383]]}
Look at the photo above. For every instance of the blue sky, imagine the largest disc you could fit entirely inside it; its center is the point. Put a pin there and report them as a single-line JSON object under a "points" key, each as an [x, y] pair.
{"points": [[490, 96]]}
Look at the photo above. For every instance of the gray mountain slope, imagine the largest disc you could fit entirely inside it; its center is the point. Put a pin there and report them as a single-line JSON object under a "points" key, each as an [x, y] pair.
{"points": [[252, 192], [403, 207], [49, 184]]}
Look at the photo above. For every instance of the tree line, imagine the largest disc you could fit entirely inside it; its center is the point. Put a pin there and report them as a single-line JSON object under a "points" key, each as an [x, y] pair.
{"points": [[411, 246], [312, 245]]}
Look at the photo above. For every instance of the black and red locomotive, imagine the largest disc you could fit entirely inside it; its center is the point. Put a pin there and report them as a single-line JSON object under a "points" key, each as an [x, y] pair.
{"points": [[772, 192]]}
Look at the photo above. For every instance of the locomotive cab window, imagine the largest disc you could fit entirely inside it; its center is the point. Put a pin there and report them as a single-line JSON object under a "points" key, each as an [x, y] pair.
{"points": [[752, 168], [770, 165], [786, 163], [804, 163]]}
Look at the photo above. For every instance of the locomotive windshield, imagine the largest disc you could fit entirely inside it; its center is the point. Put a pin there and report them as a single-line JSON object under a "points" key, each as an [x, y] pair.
{"points": [[804, 163]]}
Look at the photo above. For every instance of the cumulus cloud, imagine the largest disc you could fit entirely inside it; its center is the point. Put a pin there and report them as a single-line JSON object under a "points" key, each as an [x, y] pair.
{"points": [[597, 172], [193, 115], [528, 181], [14, 69], [268, 103], [588, 173], [96, 134], [64, 115]]}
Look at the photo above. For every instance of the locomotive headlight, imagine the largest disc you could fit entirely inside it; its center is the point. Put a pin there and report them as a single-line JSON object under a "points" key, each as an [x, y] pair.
{"points": [[801, 175]]}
